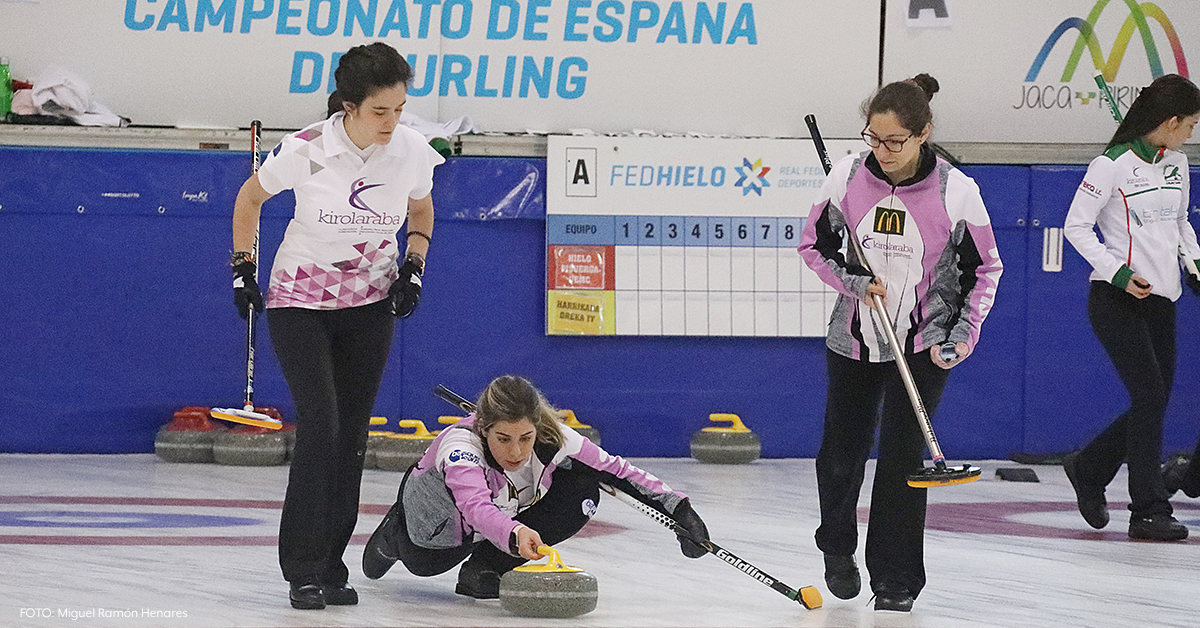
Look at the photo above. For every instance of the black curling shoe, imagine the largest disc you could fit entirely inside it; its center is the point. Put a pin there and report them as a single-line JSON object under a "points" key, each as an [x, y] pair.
{"points": [[307, 595], [340, 594], [841, 576], [380, 553], [888, 599], [1156, 528], [477, 581], [1173, 471], [1090, 499]]}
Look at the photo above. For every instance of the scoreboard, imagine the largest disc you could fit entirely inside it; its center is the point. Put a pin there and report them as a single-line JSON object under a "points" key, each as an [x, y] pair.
{"points": [[682, 236]]}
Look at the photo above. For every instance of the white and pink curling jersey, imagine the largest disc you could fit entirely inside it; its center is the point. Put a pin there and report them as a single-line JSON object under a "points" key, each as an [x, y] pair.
{"points": [[928, 239], [340, 248]]}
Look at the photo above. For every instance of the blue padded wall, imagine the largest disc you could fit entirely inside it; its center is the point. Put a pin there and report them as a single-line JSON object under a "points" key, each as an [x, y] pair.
{"points": [[120, 313]]}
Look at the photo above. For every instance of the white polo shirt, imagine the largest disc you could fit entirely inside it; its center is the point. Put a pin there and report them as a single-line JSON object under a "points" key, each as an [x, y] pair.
{"points": [[340, 248]]}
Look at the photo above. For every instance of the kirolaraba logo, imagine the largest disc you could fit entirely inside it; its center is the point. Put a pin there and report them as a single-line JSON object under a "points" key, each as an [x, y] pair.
{"points": [[753, 176], [356, 190], [1078, 89], [356, 201]]}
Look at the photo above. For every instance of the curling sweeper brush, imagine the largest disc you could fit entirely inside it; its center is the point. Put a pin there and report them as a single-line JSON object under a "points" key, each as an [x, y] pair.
{"points": [[940, 474], [246, 414], [808, 597]]}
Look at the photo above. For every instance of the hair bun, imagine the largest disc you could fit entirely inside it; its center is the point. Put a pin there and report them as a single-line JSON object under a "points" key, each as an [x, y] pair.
{"points": [[927, 83]]}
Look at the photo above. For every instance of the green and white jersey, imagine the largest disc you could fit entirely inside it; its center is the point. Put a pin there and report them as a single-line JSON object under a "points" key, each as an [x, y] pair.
{"points": [[1138, 196]]}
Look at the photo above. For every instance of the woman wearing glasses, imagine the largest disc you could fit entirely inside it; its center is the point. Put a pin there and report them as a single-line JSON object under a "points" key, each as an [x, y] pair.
{"points": [[926, 234]]}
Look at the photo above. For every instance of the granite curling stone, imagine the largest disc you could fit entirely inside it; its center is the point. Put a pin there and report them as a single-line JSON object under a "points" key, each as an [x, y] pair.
{"points": [[735, 444], [549, 590], [188, 437], [398, 452], [252, 446]]}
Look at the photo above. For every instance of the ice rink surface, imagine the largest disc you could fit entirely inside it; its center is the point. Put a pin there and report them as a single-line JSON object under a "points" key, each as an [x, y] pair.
{"points": [[131, 541]]}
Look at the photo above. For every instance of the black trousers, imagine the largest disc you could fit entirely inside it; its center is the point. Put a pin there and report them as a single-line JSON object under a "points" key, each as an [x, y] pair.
{"points": [[333, 362], [556, 517], [861, 396], [1139, 336]]}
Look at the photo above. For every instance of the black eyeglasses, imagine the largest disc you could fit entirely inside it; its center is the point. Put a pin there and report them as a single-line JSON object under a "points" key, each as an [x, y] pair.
{"points": [[893, 146]]}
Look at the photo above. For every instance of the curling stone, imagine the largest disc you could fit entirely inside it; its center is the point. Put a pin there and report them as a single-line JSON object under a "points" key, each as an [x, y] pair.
{"points": [[587, 431], [374, 438], [398, 452], [549, 590], [735, 444], [251, 446], [188, 437]]}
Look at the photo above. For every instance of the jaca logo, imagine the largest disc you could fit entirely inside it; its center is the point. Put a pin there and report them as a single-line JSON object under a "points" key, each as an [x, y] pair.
{"points": [[1061, 96]]}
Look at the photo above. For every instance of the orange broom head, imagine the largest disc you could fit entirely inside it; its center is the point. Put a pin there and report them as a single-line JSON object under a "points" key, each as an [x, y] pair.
{"points": [[932, 477], [810, 597]]}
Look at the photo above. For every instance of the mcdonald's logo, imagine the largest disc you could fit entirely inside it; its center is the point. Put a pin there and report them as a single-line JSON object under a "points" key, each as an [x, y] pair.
{"points": [[889, 221], [1087, 40]]}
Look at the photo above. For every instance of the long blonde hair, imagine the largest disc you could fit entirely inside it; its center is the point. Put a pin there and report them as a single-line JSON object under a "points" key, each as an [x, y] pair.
{"points": [[510, 398]]}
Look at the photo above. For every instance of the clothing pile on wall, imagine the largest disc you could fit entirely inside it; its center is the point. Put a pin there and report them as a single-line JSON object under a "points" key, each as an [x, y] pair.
{"points": [[58, 96]]}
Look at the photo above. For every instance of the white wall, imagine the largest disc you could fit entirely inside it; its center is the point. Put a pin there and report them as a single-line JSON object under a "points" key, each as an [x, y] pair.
{"points": [[983, 57], [147, 61]]}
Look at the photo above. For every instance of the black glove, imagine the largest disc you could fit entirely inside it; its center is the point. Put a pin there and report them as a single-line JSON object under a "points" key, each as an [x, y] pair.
{"points": [[245, 289], [687, 519], [1192, 282], [406, 290]]}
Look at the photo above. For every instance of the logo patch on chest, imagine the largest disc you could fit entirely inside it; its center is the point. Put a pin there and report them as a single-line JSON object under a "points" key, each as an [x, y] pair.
{"points": [[889, 221]]}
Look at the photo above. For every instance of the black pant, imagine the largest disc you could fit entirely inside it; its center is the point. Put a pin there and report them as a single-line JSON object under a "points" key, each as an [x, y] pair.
{"points": [[895, 533], [556, 517], [333, 361], [1139, 336]]}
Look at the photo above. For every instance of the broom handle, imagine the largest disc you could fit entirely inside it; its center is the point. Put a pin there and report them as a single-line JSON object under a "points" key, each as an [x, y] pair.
{"points": [[905, 374], [256, 153]]}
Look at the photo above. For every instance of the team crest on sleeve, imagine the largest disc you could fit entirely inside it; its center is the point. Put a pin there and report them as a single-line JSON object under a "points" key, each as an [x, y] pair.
{"points": [[461, 455]]}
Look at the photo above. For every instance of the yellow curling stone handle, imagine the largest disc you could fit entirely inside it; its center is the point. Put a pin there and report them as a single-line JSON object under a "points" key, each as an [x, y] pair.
{"points": [[378, 420], [419, 431], [737, 425], [554, 565], [568, 419]]}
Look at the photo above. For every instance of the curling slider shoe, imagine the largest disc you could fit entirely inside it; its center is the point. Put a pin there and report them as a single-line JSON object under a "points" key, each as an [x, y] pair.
{"points": [[246, 416], [941, 475]]}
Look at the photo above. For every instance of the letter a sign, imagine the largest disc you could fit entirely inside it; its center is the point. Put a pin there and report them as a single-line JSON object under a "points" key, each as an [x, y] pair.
{"points": [[581, 172], [928, 14]]}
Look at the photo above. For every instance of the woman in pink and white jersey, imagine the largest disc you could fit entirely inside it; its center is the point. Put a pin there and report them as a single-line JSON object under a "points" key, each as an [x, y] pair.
{"points": [[337, 282], [926, 235], [501, 482]]}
